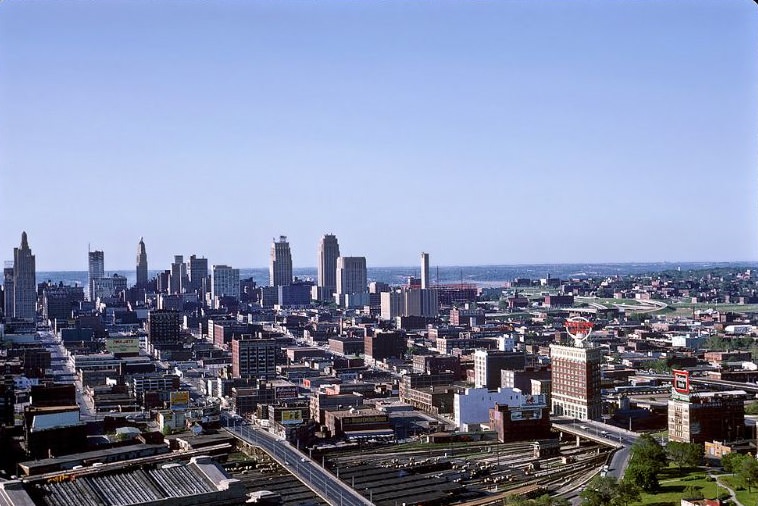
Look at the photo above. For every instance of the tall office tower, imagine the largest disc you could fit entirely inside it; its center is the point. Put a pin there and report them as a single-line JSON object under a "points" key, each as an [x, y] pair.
{"points": [[198, 275], [24, 282], [351, 275], [225, 282], [576, 381], [8, 289], [178, 281], [280, 269], [424, 271], [254, 358], [141, 264], [96, 271], [328, 252]]}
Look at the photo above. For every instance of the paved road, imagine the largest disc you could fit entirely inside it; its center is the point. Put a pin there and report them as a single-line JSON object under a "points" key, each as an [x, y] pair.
{"points": [[621, 438], [309, 472]]}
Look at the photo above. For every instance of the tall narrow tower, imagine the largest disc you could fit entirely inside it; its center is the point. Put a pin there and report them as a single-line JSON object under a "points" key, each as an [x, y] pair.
{"points": [[424, 271], [96, 263], [24, 281], [328, 252], [280, 269], [141, 264]]}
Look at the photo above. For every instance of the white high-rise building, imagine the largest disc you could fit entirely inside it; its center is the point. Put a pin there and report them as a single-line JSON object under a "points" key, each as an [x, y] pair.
{"points": [[424, 271], [409, 302]]}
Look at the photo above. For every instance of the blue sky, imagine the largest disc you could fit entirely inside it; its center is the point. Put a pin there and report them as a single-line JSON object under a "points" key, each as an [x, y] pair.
{"points": [[483, 132]]}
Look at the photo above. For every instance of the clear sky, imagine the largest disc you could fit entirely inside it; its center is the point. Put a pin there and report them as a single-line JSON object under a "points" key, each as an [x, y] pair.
{"points": [[482, 132]]}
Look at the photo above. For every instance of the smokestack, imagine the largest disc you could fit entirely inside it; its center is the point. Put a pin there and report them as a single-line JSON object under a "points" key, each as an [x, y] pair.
{"points": [[424, 271]]}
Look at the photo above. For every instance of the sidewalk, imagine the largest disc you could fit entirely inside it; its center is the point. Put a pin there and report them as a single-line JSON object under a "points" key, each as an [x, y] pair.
{"points": [[732, 495]]}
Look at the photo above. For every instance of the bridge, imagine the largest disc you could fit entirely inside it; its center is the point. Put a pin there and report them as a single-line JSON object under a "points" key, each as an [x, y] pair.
{"points": [[315, 477], [590, 433]]}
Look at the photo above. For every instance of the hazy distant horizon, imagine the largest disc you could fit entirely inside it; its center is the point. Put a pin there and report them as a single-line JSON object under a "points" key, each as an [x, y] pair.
{"points": [[480, 275], [456, 266]]}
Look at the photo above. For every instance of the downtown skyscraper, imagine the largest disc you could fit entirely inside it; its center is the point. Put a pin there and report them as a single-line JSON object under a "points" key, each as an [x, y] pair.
{"points": [[24, 282], [179, 280], [96, 270], [328, 252], [351, 275], [141, 264], [199, 280], [280, 268]]}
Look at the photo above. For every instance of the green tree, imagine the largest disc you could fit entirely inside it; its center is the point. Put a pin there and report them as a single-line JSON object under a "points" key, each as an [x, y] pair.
{"points": [[747, 471], [543, 500], [684, 454], [648, 452], [660, 366], [731, 462], [642, 476], [715, 343], [606, 491]]}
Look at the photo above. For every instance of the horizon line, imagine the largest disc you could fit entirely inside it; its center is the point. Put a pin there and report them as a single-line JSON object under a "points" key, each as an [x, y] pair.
{"points": [[650, 262]]}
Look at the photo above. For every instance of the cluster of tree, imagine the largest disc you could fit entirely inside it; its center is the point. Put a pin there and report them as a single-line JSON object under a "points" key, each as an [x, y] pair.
{"points": [[543, 500], [719, 343], [607, 491], [744, 467], [647, 460], [684, 454]]}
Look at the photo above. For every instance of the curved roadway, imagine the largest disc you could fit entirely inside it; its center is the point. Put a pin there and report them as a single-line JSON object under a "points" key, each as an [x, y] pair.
{"points": [[318, 479]]}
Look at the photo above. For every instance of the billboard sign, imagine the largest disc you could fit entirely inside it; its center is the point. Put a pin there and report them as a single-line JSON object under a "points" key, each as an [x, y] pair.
{"points": [[123, 346], [292, 416], [681, 381], [180, 399]]}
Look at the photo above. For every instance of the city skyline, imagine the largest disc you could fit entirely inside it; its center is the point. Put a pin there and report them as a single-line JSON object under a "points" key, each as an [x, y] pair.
{"points": [[412, 263], [487, 133]]}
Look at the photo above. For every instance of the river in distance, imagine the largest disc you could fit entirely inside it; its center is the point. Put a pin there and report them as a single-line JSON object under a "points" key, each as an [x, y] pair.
{"points": [[480, 275]]}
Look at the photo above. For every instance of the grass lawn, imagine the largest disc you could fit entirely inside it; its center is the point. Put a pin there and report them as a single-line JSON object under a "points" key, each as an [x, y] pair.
{"points": [[674, 483], [743, 496]]}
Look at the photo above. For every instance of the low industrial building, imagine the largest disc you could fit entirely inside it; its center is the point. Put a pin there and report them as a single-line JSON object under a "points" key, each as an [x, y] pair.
{"points": [[201, 482]]}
